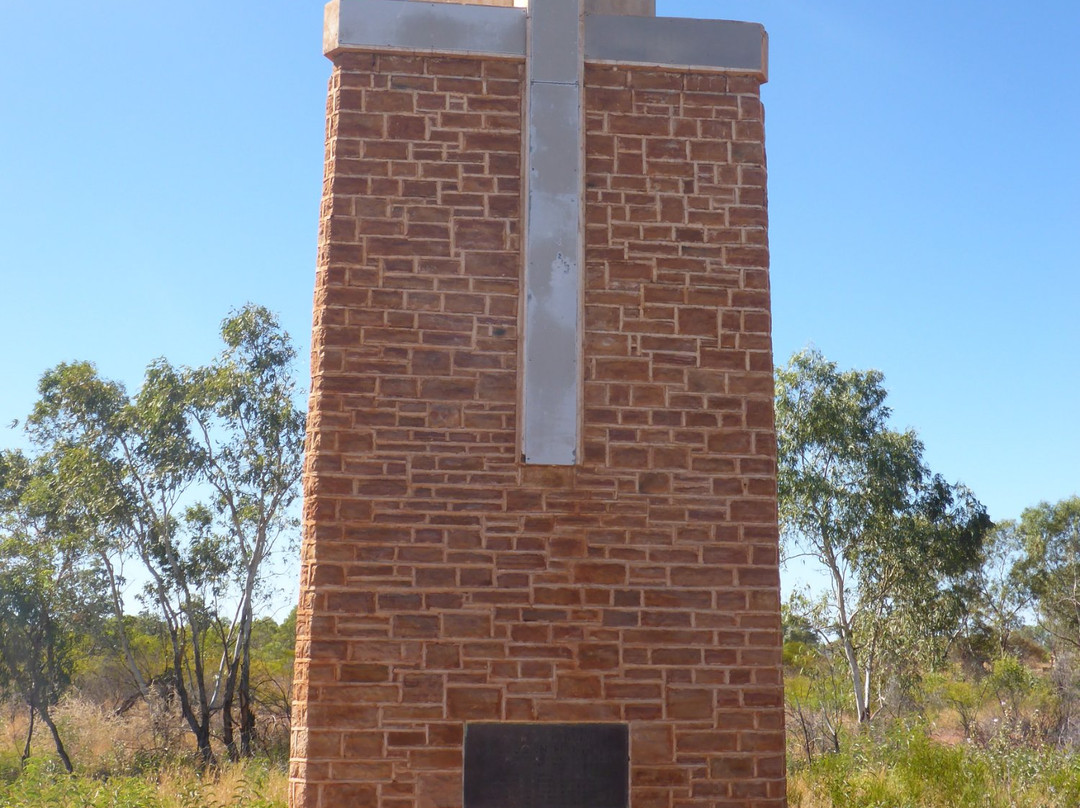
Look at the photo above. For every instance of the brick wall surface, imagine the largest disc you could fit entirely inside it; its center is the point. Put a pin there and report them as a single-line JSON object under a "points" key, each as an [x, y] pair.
{"points": [[443, 581]]}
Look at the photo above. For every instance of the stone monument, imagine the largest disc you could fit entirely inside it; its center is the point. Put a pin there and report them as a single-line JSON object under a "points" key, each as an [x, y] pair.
{"points": [[540, 563]]}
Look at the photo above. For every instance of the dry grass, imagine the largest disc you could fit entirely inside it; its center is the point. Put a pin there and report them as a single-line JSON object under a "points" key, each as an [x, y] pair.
{"points": [[904, 767], [141, 759], [102, 743], [240, 785]]}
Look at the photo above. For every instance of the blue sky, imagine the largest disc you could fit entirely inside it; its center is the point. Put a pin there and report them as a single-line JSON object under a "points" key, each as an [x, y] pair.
{"points": [[161, 164]]}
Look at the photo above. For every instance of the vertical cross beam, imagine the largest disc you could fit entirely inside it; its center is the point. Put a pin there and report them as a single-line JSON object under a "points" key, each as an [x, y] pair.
{"points": [[554, 234]]}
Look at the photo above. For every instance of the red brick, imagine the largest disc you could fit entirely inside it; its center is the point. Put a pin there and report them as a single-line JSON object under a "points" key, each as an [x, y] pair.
{"points": [[579, 687], [598, 573], [355, 795], [691, 704], [364, 673], [599, 657], [473, 703]]}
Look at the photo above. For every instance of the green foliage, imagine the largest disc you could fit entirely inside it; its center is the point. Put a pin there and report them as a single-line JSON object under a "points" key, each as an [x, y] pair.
{"points": [[1050, 568], [42, 785], [191, 480], [1002, 595], [965, 697], [49, 597], [905, 768], [11, 766], [796, 625], [818, 701], [898, 544]]}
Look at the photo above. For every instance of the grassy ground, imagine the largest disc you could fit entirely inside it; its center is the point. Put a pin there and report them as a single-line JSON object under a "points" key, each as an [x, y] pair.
{"points": [[43, 784], [908, 769], [139, 760]]}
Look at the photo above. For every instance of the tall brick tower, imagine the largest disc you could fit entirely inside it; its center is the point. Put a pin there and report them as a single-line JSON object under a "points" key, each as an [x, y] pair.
{"points": [[540, 553]]}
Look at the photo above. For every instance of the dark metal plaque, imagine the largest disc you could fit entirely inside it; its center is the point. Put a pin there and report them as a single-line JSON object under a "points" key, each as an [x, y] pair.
{"points": [[547, 766]]}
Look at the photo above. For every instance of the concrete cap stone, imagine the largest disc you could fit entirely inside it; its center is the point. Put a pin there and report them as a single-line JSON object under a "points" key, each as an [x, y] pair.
{"points": [[616, 31]]}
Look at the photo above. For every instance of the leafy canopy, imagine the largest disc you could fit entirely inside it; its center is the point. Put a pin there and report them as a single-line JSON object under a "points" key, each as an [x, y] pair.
{"points": [[897, 543]]}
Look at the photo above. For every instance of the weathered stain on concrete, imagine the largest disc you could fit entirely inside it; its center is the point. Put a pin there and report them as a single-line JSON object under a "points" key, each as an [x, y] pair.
{"points": [[410, 25], [717, 44]]}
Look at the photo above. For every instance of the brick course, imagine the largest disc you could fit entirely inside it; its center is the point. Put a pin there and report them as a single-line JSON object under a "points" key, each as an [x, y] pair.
{"points": [[443, 581]]}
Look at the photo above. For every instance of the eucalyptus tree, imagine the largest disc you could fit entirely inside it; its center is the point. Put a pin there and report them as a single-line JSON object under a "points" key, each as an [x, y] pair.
{"points": [[190, 481], [49, 594], [1050, 567], [124, 466], [250, 439], [1003, 595], [897, 544]]}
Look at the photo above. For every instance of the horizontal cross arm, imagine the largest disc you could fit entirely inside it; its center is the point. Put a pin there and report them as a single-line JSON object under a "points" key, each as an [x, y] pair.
{"points": [[462, 29]]}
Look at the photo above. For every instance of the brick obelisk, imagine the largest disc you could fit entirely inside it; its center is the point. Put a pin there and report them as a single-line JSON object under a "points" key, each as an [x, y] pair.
{"points": [[540, 552]]}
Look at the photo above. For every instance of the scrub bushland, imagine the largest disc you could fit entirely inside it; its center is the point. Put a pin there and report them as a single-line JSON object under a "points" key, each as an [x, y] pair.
{"points": [[129, 760]]}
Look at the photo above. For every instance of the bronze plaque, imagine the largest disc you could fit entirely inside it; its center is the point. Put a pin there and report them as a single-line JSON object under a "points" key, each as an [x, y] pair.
{"points": [[547, 766]]}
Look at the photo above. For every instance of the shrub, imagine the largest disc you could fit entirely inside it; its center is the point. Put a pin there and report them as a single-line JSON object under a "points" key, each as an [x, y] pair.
{"points": [[903, 767]]}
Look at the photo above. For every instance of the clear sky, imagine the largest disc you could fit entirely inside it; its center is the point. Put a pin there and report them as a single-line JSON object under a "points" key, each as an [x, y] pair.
{"points": [[161, 163]]}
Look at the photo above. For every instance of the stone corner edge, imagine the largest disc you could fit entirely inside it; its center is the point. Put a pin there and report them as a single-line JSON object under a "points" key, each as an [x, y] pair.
{"points": [[331, 28]]}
